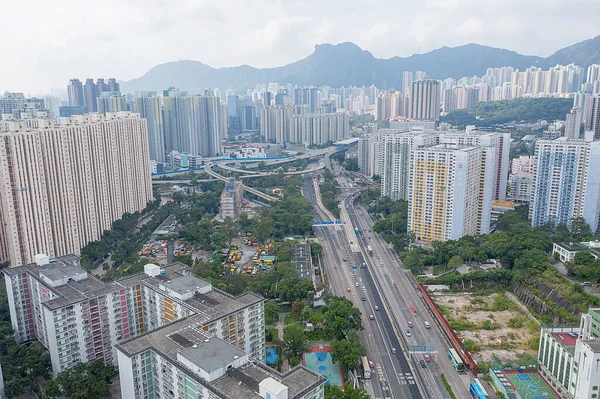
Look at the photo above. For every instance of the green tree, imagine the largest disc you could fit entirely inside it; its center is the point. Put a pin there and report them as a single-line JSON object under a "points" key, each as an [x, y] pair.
{"points": [[351, 164], [579, 229], [341, 317], [348, 352], [455, 262], [271, 312], [84, 381], [584, 258], [349, 392], [294, 341]]}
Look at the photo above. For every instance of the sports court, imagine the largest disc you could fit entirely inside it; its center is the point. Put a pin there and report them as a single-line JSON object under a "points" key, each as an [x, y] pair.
{"points": [[530, 384], [318, 360]]}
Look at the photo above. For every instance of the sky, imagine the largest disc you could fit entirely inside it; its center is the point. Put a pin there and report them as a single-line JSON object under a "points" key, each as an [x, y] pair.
{"points": [[47, 42]]}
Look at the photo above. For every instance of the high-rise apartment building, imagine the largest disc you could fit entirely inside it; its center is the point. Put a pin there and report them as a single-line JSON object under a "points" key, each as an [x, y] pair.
{"points": [[520, 179], [498, 143], [90, 95], [75, 93], [80, 318], [149, 106], [450, 191], [425, 100], [397, 147], [111, 101], [593, 117], [566, 182], [63, 184], [184, 361], [307, 96], [573, 123], [291, 124], [193, 124], [407, 79]]}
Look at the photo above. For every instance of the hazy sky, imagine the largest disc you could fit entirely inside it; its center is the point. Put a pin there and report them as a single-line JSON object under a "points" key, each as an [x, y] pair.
{"points": [[46, 42]]}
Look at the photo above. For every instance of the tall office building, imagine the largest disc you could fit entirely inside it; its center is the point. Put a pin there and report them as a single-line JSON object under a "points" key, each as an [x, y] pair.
{"points": [[149, 107], [449, 192], [90, 95], [397, 147], [573, 123], [63, 184], [593, 117], [75, 93], [425, 100], [81, 319], [566, 182]]}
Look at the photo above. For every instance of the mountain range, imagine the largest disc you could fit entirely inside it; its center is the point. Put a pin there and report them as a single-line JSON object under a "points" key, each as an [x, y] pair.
{"points": [[347, 64]]}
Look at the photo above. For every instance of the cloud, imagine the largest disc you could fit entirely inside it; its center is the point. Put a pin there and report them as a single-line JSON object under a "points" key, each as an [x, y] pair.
{"points": [[55, 40]]}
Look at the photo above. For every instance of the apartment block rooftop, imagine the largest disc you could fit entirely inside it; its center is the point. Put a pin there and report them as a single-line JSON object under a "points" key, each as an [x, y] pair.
{"points": [[70, 284], [221, 367]]}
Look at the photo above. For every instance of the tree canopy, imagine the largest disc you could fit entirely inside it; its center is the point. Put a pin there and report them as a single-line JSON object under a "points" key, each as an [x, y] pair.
{"points": [[341, 317], [84, 381], [501, 112]]}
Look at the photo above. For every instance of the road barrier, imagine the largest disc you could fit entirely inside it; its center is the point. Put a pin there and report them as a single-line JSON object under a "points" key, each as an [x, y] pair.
{"points": [[452, 337]]}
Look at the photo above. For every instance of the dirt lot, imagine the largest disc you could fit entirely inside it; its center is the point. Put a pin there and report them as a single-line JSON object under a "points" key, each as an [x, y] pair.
{"points": [[490, 325]]}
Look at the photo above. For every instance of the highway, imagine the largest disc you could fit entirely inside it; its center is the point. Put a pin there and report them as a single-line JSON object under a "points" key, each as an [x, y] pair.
{"points": [[399, 293], [391, 377]]}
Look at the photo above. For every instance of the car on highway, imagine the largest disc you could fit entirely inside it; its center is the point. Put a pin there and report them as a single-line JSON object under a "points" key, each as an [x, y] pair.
{"points": [[377, 256], [427, 324], [423, 364], [357, 284], [393, 350], [364, 298], [372, 317], [410, 324], [381, 263], [348, 289], [376, 307], [371, 364], [408, 333], [427, 358]]}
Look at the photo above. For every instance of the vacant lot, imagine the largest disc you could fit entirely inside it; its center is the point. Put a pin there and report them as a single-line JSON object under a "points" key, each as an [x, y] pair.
{"points": [[490, 325]]}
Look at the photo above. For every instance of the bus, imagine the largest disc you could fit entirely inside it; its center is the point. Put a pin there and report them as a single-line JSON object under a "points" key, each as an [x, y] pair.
{"points": [[455, 359], [413, 310], [366, 368], [477, 390], [370, 249]]}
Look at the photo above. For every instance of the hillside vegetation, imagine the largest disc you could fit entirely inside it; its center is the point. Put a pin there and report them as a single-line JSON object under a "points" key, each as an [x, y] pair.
{"points": [[501, 112]]}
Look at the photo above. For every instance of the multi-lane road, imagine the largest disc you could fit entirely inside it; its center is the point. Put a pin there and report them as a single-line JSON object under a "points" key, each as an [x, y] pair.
{"points": [[392, 377], [398, 372]]}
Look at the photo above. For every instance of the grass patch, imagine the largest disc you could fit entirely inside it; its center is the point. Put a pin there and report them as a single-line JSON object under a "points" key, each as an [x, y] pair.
{"points": [[489, 325], [471, 345], [516, 322], [462, 325], [448, 387]]}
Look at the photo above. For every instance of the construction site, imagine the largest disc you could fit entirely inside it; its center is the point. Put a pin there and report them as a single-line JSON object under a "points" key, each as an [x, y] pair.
{"points": [[493, 326]]}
